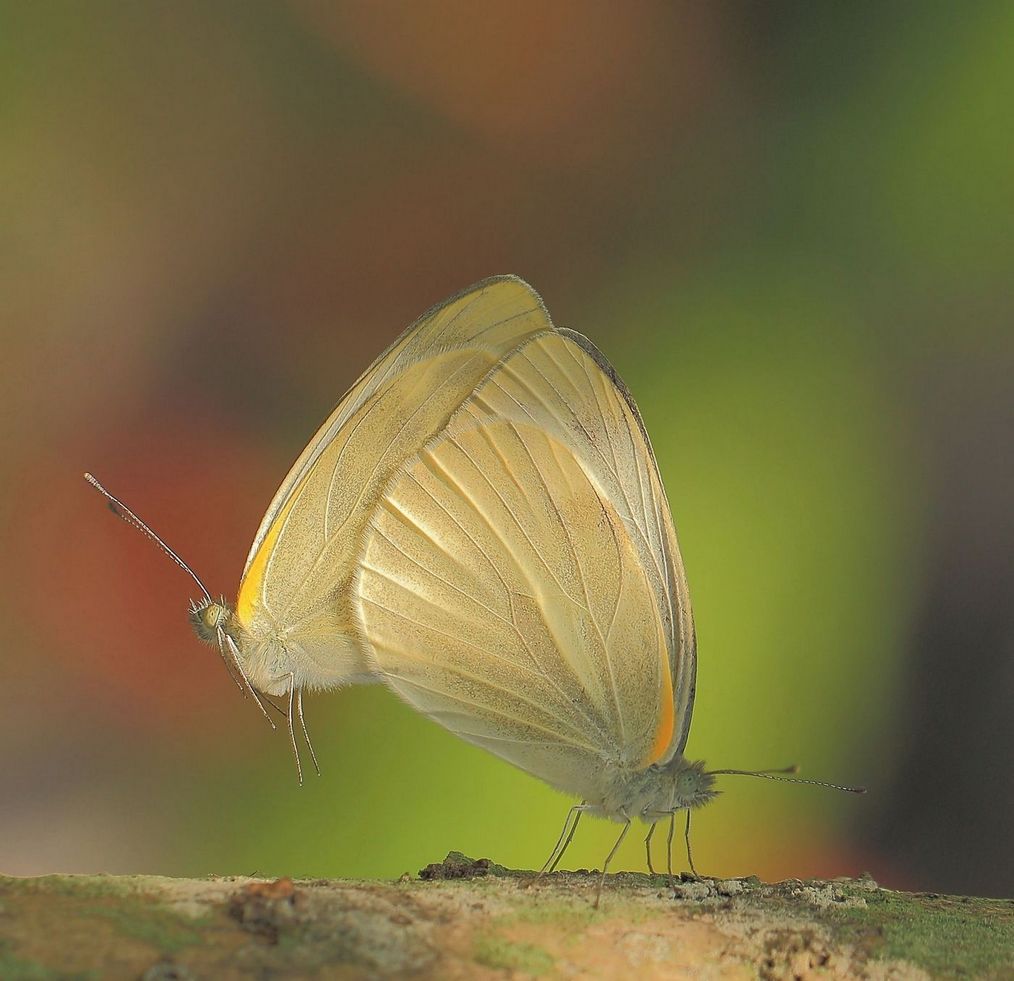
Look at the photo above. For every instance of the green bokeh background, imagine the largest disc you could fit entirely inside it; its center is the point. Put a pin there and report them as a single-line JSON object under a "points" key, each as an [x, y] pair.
{"points": [[782, 222]]}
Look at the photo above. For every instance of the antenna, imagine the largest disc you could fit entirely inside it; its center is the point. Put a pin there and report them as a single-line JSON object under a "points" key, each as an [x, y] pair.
{"points": [[233, 661], [122, 511], [771, 775]]}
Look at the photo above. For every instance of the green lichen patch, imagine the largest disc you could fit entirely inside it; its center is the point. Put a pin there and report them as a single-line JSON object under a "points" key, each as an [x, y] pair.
{"points": [[149, 924], [571, 914], [81, 927], [18, 969], [80, 886], [948, 936], [506, 955], [117, 901], [572, 905]]}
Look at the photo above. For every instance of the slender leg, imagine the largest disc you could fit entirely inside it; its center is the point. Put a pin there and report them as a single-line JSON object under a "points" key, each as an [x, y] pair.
{"points": [[576, 809], [647, 848], [566, 844], [306, 735], [273, 704], [234, 652], [668, 843], [229, 665], [609, 858], [292, 731], [690, 854]]}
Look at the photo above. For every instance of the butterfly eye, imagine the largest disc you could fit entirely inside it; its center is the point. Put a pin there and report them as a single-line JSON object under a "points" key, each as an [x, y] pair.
{"points": [[213, 616]]}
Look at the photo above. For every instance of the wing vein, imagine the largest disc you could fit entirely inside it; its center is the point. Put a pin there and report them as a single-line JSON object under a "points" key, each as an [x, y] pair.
{"points": [[440, 472], [528, 538], [577, 744], [581, 573], [407, 655], [410, 522], [322, 551], [435, 575]]}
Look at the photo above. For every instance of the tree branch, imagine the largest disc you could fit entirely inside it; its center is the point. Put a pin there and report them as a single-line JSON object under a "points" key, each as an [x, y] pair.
{"points": [[464, 918]]}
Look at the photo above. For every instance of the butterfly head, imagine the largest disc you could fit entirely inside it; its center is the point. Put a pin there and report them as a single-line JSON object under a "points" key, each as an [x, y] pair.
{"points": [[209, 618], [692, 784]]}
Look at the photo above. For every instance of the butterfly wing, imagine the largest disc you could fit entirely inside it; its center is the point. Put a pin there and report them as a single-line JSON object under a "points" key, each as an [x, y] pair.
{"points": [[301, 561], [506, 591], [564, 384]]}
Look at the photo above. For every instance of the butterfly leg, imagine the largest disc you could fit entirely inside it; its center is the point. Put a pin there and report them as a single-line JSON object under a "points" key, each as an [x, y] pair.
{"points": [[668, 843], [647, 848], [609, 858], [271, 703], [234, 654], [557, 853], [690, 854], [230, 663], [306, 735], [292, 731], [566, 844]]}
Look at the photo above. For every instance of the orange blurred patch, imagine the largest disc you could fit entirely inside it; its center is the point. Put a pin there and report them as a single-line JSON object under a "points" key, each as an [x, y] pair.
{"points": [[353, 273], [563, 83], [816, 858]]}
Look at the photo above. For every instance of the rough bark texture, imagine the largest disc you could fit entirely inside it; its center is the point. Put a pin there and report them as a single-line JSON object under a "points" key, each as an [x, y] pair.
{"points": [[471, 919]]}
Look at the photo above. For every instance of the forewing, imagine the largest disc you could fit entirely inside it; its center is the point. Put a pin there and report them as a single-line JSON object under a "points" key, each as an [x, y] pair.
{"points": [[501, 593], [301, 561]]}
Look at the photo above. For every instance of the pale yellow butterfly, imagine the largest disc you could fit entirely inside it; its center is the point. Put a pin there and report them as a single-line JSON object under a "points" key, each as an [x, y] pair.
{"points": [[481, 526]]}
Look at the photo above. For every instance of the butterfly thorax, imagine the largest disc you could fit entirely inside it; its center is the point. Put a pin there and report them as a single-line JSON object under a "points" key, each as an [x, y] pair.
{"points": [[261, 660], [273, 658], [655, 791]]}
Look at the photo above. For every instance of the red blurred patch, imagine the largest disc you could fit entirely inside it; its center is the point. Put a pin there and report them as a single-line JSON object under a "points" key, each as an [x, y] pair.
{"points": [[98, 595]]}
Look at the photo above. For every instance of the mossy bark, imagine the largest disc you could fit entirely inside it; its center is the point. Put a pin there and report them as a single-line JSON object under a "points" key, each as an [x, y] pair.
{"points": [[465, 919]]}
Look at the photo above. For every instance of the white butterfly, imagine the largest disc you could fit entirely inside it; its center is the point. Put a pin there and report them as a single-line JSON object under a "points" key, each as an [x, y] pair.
{"points": [[481, 526]]}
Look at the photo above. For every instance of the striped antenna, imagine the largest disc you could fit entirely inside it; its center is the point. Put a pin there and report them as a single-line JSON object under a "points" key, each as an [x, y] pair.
{"points": [[772, 775], [122, 511]]}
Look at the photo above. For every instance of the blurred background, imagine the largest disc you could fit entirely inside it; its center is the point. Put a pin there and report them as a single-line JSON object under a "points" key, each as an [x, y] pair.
{"points": [[787, 224]]}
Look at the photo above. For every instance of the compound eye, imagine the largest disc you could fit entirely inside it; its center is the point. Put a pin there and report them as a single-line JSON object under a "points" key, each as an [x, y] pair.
{"points": [[211, 616]]}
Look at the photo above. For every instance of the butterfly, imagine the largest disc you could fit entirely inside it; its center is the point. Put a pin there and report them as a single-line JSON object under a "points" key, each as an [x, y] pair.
{"points": [[481, 526]]}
